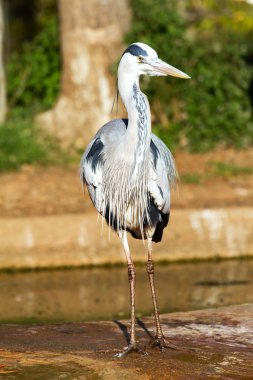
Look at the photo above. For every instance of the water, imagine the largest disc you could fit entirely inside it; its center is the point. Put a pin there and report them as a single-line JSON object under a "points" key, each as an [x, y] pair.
{"points": [[103, 293]]}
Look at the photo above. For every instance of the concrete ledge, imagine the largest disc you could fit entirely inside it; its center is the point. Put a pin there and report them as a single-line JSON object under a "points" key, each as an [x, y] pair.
{"points": [[74, 240], [211, 344]]}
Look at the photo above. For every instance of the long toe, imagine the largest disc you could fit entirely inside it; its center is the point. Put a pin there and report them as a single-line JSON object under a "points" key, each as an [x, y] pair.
{"points": [[129, 349], [162, 344]]}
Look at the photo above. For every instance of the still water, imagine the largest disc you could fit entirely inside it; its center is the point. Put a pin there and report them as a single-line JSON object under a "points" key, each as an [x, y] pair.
{"points": [[103, 293]]}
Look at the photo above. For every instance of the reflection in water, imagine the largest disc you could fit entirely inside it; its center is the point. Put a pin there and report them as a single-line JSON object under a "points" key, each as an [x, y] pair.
{"points": [[93, 294]]}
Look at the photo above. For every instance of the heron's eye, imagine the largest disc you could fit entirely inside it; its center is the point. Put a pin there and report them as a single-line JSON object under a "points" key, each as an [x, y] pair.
{"points": [[140, 59]]}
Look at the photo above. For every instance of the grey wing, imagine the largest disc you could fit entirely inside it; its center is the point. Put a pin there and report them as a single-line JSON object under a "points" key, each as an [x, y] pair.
{"points": [[163, 174], [91, 170], [93, 160]]}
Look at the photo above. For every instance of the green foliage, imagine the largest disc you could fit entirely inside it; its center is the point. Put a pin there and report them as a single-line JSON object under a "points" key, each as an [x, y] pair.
{"points": [[191, 178], [224, 169], [33, 74], [211, 41], [22, 143], [19, 144], [33, 80]]}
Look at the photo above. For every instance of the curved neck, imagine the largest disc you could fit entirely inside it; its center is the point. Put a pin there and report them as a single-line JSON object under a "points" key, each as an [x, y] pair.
{"points": [[138, 134]]}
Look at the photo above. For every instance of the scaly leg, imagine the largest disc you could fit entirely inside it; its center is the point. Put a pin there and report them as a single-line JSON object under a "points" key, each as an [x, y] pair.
{"points": [[159, 340], [132, 346]]}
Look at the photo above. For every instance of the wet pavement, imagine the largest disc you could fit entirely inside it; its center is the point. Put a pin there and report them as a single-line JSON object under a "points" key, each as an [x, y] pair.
{"points": [[212, 344], [103, 293]]}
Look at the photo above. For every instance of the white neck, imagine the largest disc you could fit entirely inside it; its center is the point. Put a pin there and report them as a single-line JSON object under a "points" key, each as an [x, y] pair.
{"points": [[138, 134]]}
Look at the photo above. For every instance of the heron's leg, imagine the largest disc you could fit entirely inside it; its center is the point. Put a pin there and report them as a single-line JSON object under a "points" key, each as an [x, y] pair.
{"points": [[150, 272], [132, 346], [159, 340]]}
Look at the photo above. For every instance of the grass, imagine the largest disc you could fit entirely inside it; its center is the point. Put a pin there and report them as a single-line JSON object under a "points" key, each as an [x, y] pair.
{"points": [[138, 264], [192, 178], [22, 143], [217, 169], [223, 169]]}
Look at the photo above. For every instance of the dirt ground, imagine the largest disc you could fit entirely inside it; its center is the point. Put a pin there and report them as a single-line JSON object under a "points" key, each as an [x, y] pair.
{"points": [[217, 179]]}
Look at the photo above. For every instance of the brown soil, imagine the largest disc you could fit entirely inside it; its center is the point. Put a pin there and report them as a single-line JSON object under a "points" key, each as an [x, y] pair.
{"points": [[55, 190]]}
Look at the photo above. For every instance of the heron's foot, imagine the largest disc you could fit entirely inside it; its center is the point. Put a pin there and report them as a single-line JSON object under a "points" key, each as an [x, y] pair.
{"points": [[130, 348], [162, 344]]}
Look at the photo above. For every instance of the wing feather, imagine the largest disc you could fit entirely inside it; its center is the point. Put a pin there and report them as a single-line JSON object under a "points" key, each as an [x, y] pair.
{"points": [[92, 163], [162, 174]]}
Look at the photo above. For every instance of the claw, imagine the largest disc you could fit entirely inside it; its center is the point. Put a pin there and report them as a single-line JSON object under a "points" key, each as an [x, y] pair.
{"points": [[130, 348], [162, 344]]}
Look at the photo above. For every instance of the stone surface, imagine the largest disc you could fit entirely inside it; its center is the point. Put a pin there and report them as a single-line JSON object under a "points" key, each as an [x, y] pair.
{"points": [[74, 240], [212, 344]]}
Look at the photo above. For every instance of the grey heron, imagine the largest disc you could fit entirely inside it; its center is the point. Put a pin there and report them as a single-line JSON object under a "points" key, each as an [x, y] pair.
{"points": [[129, 171]]}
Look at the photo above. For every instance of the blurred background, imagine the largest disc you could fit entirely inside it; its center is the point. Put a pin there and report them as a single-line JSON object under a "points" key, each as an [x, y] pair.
{"points": [[58, 68]]}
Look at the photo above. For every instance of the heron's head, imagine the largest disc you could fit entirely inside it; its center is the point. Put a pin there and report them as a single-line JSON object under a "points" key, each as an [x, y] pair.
{"points": [[141, 59]]}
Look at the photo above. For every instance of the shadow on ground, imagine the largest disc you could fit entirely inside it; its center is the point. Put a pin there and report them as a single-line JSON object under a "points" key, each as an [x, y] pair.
{"points": [[212, 344]]}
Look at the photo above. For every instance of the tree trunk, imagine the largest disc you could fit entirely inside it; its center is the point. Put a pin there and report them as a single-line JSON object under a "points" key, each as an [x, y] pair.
{"points": [[91, 40], [3, 106]]}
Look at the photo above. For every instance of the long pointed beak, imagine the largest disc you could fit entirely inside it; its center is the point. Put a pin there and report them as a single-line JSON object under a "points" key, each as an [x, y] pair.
{"points": [[162, 68]]}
